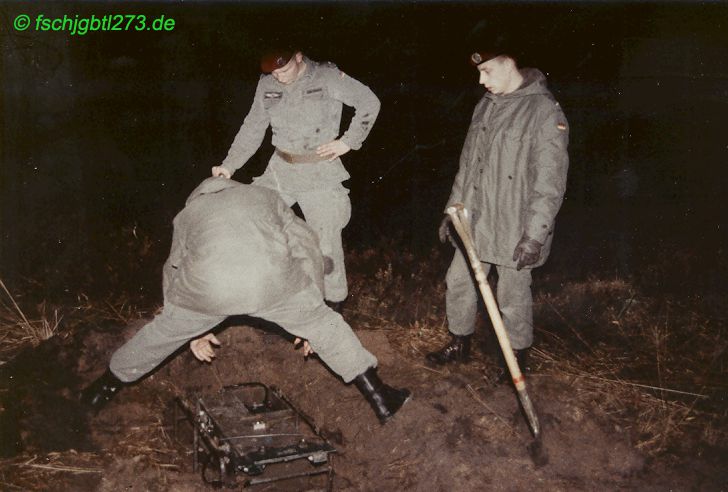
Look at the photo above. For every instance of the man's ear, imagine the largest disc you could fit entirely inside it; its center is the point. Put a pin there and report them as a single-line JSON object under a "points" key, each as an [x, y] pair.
{"points": [[508, 62]]}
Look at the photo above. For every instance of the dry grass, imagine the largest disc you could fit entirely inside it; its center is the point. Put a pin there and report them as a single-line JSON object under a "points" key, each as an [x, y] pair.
{"points": [[37, 471], [651, 363], [18, 331], [119, 310]]}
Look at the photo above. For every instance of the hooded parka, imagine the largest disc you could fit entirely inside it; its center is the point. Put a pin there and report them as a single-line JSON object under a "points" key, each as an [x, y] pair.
{"points": [[513, 167], [512, 179]]}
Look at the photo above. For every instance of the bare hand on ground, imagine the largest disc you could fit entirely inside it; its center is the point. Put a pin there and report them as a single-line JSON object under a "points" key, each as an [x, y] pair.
{"points": [[202, 347], [307, 350]]}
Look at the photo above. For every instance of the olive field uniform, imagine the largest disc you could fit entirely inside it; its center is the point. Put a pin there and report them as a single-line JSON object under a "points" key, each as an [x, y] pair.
{"points": [[302, 116], [238, 249], [512, 178]]}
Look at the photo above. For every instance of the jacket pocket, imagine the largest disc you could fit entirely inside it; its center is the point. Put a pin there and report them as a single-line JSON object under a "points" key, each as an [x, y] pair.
{"points": [[271, 99]]}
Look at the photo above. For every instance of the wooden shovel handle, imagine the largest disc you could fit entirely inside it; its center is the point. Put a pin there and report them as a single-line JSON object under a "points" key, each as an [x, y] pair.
{"points": [[459, 215]]}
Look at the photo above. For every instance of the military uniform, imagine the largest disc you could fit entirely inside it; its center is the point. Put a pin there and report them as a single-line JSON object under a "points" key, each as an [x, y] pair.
{"points": [[512, 178], [302, 116], [238, 249]]}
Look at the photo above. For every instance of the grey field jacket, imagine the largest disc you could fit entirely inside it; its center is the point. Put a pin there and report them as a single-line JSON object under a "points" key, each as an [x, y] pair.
{"points": [[237, 249], [513, 167], [306, 114]]}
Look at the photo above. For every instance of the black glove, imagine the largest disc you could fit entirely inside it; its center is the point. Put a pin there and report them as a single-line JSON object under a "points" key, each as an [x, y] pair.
{"points": [[443, 231], [527, 252]]}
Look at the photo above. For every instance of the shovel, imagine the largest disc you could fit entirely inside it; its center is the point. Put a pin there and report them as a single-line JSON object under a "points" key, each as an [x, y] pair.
{"points": [[459, 216]]}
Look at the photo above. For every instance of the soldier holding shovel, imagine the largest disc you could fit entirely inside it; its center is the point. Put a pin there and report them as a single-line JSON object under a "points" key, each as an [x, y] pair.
{"points": [[512, 179]]}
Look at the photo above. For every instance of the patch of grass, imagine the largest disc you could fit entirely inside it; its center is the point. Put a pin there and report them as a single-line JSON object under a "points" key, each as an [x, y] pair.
{"points": [[654, 362], [18, 331], [651, 356], [37, 472]]}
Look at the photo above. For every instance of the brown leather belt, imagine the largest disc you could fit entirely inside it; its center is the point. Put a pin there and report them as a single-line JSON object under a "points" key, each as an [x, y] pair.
{"points": [[300, 158]]}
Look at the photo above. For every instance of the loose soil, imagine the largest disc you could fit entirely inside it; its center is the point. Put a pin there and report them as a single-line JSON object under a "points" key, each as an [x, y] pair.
{"points": [[458, 432]]}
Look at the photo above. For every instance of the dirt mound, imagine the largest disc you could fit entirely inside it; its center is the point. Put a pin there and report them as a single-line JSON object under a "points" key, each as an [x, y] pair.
{"points": [[455, 434], [40, 411], [458, 432]]}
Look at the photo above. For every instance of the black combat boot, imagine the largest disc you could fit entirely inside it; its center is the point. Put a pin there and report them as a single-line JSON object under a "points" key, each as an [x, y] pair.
{"points": [[100, 392], [458, 349], [336, 306], [504, 375], [384, 399]]}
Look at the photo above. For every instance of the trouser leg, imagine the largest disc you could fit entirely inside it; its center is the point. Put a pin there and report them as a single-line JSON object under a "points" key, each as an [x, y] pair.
{"points": [[306, 316], [461, 296], [328, 212], [516, 305], [158, 339]]}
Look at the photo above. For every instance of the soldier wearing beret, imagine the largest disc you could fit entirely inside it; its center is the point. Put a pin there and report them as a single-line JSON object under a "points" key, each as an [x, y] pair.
{"points": [[301, 100], [512, 177]]}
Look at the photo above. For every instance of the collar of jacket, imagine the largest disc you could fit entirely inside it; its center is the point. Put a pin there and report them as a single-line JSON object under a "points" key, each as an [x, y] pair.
{"points": [[534, 82], [212, 185], [311, 67]]}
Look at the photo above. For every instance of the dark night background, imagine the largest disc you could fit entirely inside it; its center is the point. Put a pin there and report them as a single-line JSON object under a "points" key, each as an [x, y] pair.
{"points": [[110, 131]]}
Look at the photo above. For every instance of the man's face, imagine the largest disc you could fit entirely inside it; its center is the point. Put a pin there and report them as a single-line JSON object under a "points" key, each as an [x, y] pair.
{"points": [[288, 73], [495, 75]]}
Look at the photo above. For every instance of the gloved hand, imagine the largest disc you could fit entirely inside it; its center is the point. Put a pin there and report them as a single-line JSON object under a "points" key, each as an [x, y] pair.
{"points": [[443, 232], [527, 252]]}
